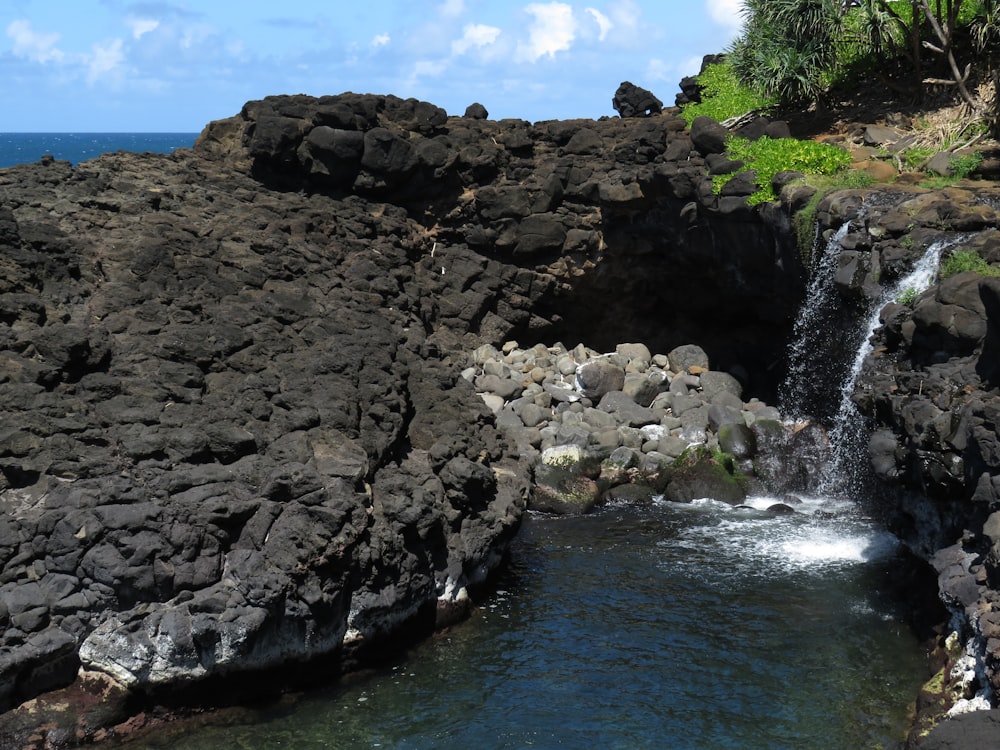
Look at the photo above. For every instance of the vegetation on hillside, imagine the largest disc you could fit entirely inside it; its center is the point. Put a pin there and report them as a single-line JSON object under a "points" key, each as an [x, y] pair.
{"points": [[768, 156], [795, 51]]}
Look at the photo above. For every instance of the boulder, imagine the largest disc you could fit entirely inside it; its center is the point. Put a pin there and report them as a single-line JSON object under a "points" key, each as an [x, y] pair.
{"points": [[708, 136], [632, 101], [698, 474], [599, 376], [476, 111]]}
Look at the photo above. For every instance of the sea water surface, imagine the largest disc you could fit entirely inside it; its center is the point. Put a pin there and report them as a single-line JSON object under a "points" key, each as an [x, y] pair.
{"points": [[20, 148], [672, 626]]}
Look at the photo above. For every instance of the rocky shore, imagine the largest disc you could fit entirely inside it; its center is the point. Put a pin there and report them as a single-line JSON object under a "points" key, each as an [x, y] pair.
{"points": [[259, 412]]}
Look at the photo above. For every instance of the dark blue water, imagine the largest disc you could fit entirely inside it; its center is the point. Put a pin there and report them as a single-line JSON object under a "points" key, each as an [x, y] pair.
{"points": [[680, 626], [19, 148]]}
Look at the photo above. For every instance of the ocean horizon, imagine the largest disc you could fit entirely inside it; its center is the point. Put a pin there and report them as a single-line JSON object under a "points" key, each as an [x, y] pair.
{"points": [[23, 148]]}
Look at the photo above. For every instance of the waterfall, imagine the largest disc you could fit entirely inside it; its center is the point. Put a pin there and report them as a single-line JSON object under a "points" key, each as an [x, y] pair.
{"points": [[829, 347], [847, 466], [810, 376]]}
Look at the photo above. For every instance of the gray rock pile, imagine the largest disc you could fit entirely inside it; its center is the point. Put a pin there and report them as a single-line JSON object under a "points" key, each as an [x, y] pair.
{"points": [[592, 421]]}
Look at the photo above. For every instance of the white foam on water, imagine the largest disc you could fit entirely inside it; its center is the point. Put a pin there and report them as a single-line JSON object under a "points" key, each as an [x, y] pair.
{"points": [[821, 534]]}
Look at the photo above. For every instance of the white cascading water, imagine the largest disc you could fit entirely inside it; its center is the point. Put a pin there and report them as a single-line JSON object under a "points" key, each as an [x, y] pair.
{"points": [[809, 374], [847, 436]]}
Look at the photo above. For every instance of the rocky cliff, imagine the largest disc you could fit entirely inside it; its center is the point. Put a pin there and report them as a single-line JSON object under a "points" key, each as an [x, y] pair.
{"points": [[236, 437]]}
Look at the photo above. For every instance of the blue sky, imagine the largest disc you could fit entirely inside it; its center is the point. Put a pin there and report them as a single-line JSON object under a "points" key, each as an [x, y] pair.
{"points": [[112, 65]]}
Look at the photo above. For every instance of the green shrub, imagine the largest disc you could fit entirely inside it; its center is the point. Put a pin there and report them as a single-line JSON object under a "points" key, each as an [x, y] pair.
{"points": [[768, 156], [966, 260], [722, 96], [908, 296], [964, 165]]}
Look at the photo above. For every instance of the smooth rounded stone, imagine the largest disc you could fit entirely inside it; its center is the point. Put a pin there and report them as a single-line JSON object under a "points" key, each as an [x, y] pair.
{"points": [[509, 346], [725, 398], [599, 419], [568, 416], [629, 494], [469, 373], [634, 351], [506, 388], [630, 437], [637, 366], [606, 439], [654, 462], [671, 422], [653, 431], [620, 458], [537, 375], [682, 402], [643, 388], [497, 368], [696, 417], [531, 414], [543, 400], [723, 415], [660, 360], [531, 390], [768, 412], [561, 392], [738, 440], [780, 509], [493, 402], [682, 384], [581, 353], [575, 407], [626, 410], [574, 496], [694, 435], [650, 445], [572, 435], [484, 354], [714, 382], [662, 401], [683, 358], [598, 377], [672, 446], [566, 365], [508, 421], [564, 455]]}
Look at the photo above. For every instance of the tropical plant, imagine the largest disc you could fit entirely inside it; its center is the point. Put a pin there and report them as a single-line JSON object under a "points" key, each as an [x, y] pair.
{"points": [[768, 156], [966, 260], [787, 47], [723, 96]]}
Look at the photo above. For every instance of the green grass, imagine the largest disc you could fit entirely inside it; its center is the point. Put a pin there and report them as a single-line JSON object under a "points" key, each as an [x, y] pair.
{"points": [[723, 96], [768, 156], [966, 260]]}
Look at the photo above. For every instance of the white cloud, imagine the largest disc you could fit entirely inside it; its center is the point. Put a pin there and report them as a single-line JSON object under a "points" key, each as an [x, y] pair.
{"points": [[476, 35], [625, 15], [553, 30], [429, 68], [726, 13], [104, 59], [381, 40], [603, 22], [141, 26], [28, 43], [452, 8]]}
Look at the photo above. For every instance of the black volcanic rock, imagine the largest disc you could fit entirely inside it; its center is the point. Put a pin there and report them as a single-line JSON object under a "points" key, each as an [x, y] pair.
{"points": [[634, 101], [235, 435]]}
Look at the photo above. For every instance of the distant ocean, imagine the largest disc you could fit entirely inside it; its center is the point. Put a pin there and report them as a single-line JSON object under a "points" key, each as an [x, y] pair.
{"points": [[18, 148]]}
